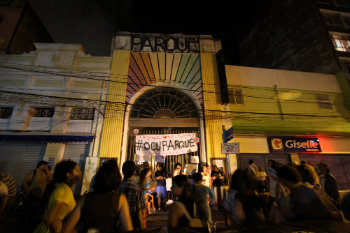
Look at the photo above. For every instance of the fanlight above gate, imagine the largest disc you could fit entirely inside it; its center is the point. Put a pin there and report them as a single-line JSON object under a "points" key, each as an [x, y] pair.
{"points": [[164, 103]]}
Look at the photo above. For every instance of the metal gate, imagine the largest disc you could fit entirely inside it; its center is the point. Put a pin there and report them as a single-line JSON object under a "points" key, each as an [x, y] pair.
{"points": [[170, 160]]}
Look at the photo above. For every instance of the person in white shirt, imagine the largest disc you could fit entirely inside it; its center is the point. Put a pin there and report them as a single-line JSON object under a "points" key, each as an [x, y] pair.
{"points": [[206, 176]]}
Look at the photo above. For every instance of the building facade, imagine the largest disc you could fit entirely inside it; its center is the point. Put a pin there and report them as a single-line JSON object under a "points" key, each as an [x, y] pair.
{"points": [[51, 108], [263, 104], [289, 116], [288, 34], [58, 103]]}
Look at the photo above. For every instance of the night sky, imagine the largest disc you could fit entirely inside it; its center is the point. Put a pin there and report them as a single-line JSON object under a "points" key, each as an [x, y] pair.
{"points": [[93, 23]]}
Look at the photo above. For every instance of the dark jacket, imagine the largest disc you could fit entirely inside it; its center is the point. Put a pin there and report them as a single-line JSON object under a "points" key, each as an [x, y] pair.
{"points": [[331, 187]]}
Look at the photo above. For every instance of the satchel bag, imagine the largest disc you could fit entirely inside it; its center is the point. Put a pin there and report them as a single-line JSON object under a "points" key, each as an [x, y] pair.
{"points": [[192, 222]]}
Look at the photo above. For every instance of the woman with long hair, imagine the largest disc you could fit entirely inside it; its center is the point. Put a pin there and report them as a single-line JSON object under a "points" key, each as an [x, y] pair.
{"points": [[103, 209], [61, 201], [145, 180]]}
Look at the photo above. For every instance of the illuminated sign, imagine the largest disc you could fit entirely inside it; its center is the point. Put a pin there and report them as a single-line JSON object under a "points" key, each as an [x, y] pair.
{"points": [[164, 43], [293, 144]]}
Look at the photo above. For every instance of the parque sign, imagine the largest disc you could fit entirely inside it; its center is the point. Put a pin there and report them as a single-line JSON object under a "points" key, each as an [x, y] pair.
{"points": [[166, 144]]}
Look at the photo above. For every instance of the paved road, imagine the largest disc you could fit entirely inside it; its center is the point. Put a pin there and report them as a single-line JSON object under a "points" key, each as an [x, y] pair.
{"points": [[160, 219], [154, 221]]}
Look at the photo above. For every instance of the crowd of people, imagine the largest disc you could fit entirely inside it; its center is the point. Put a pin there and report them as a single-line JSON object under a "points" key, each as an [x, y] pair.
{"points": [[282, 193], [295, 193]]}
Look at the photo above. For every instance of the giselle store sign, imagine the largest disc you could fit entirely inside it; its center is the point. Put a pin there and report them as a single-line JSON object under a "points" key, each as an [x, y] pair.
{"points": [[293, 144]]}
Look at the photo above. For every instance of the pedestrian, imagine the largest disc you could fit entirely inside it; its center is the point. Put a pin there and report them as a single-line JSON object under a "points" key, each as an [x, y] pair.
{"points": [[8, 200], [133, 193], [303, 202], [244, 205], [103, 209], [309, 175], [328, 182], [61, 201], [3, 204], [345, 206], [160, 177], [34, 186], [217, 184], [178, 170], [12, 190], [202, 196], [273, 179], [181, 213], [253, 168], [145, 184], [206, 175], [262, 180]]}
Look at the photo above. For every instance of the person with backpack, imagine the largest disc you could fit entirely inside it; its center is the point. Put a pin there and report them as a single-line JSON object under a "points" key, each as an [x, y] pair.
{"points": [[61, 201], [34, 186]]}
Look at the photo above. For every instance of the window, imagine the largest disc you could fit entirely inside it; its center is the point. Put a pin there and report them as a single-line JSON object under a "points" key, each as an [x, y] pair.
{"points": [[341, 42], [332, 20], [6, 112], [42, 112], [82, 114], [324, 101], [236, 96], [342, 3]]}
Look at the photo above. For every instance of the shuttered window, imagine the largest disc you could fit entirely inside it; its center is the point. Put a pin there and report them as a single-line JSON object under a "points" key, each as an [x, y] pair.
{"points": [[324, 101], [82, 114], [41, 112], [236, 96], [6, 112], [17, 159]]}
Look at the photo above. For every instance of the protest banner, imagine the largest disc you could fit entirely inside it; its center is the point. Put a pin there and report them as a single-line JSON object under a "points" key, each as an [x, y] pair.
{"points": [[165, 144]]}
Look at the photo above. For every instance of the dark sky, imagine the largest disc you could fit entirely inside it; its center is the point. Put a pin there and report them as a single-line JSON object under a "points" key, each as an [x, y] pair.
{"points": [[92, 23]]}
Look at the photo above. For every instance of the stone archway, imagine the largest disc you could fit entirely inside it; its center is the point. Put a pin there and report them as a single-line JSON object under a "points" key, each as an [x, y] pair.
{"points": [[163, 110]]}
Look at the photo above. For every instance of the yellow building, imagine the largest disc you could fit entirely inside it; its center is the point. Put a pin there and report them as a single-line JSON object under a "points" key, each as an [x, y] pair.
{"points": [[173, 84]]}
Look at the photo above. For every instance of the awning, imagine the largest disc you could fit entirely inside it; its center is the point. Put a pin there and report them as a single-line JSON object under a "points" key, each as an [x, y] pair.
{"points": [[46, 138]]}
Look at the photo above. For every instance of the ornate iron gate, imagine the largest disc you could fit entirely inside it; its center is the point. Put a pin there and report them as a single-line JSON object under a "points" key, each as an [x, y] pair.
{"points": [[170, 160]]}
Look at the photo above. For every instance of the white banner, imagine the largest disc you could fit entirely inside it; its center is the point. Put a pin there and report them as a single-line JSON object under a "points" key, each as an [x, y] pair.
{"points": [[166, 144]]}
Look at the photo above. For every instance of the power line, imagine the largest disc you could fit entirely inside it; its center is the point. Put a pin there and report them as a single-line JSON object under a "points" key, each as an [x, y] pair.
{"points": [[194, 91], [207, 110]]}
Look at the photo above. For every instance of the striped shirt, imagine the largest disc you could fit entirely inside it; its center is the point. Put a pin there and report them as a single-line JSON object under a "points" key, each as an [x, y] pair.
{"points": [[10, 182]]}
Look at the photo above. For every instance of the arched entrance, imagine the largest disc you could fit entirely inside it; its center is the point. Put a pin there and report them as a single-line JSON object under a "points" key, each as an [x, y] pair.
{"points": [[163, 110]]}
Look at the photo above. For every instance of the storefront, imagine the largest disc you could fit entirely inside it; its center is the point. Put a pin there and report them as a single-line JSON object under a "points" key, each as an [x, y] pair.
{"points": [[294, 149], [314, 149]]}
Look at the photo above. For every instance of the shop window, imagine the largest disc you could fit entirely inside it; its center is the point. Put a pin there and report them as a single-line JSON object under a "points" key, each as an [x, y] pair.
{"points": [[6, 112], [82, 114], [42, 112], [236, 96], [324, 101]]}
